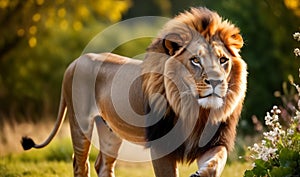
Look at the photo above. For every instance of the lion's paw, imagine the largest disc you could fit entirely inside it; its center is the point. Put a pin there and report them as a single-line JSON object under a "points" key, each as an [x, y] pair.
{"points": [[196, 174]]}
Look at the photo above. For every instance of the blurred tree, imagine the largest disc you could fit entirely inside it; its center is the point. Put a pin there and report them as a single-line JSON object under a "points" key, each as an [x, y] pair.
{"points": [[148, 8], [38, 39], [24, 19], [294, 5]]}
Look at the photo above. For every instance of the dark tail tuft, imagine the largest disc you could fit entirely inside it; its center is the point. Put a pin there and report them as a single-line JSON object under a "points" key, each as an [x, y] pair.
{"points": [[27, 143]]}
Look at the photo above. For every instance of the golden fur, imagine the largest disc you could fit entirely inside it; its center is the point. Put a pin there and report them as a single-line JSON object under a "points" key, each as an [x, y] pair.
{"points": [[182, 83], [215, 31]]}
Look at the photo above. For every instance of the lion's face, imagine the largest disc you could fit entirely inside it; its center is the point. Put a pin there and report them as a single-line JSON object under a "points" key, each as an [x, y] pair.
{"points": [[209, 65], [205, 66]]}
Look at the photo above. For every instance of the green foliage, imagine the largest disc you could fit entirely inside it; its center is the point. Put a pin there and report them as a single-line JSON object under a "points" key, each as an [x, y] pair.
{"points": [[289, 158], [287, 164], [279, 152]]}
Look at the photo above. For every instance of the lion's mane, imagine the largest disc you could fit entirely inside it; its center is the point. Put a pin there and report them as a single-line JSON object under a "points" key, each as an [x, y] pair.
{"points": [[208, 24]]}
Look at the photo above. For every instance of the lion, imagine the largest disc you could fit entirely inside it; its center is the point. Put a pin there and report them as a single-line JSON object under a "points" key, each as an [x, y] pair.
{"points": [[183, 101]]}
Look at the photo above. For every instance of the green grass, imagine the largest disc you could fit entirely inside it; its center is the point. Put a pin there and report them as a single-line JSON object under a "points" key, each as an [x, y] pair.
{"points": [[55, 160]]}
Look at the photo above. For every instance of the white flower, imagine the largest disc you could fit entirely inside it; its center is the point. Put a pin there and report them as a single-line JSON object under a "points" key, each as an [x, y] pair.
{"points": [[297, 52], [290, 132], [272, 121], [296, 118], [296, 36], [264, 153], [269, 153], [277, 124], [268, 119]]}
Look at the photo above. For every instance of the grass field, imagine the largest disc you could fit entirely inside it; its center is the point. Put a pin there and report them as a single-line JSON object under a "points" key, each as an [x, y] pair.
{"points": [[55, 161]]}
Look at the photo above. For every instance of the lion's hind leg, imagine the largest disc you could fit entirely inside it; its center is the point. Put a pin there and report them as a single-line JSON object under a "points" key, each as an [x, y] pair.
{"points": [[81, 141], [109, 148], [104, 165]]}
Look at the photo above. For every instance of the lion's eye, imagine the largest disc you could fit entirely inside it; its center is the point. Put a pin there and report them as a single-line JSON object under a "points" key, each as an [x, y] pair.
{"points": [[223, 60], [195, 61]]}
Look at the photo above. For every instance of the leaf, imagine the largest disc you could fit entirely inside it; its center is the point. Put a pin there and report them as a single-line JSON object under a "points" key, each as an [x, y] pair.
{"points": [[281, 171], [249, 173], [260, 168], [288, 158], [260, 163]]}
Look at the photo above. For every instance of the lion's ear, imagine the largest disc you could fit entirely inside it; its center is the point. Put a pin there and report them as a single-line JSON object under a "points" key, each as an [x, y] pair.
{"points": [[172, 43]]}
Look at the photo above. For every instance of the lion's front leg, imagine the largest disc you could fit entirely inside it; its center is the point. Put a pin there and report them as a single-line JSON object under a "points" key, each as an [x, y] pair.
{"points": [[212, 163], [164, 166]]}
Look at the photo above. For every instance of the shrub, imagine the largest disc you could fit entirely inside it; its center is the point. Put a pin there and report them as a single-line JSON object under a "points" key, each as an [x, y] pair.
{"points": [[278, 154]]}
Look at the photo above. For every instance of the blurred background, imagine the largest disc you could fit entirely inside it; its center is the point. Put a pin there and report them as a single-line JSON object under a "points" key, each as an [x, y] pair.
{"points": [[39, 38]]}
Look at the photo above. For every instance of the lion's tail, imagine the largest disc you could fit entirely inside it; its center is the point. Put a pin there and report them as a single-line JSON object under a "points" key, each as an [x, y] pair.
{"points": [[28, 143]]}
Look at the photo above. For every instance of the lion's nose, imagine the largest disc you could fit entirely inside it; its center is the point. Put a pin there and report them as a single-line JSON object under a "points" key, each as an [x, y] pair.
{"points": [[212, 82]]}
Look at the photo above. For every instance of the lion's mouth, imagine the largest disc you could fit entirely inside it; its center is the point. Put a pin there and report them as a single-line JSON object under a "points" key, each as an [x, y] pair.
{"points": [[209, 95], [211, 100]]}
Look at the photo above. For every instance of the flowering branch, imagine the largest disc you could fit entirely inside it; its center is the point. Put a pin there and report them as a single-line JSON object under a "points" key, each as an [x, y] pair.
{"points": [[297, 37], [278, 154]]}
